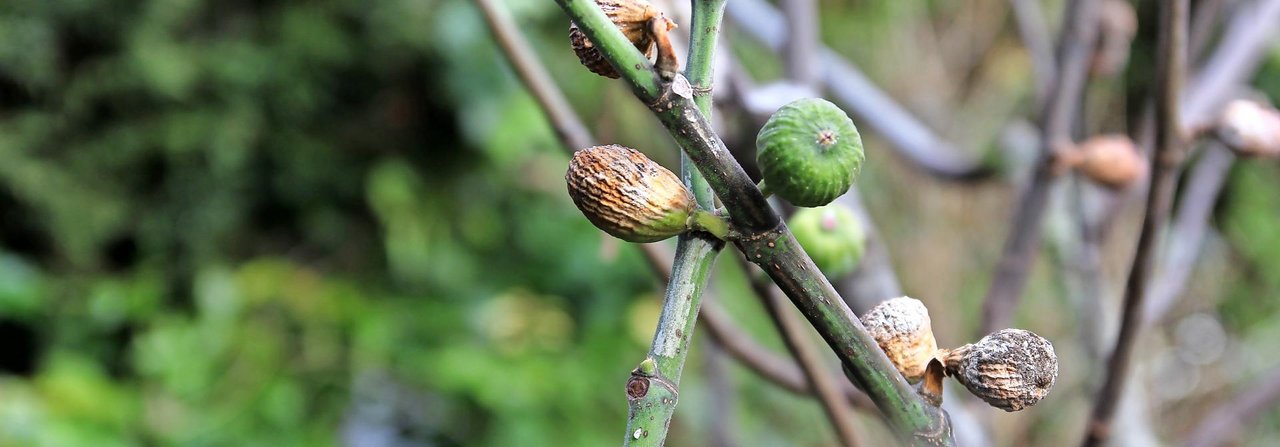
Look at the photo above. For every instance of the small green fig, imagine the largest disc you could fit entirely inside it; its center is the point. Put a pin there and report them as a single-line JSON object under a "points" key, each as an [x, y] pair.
{"points": [[809, 152], [633, 198], [832, 236]]}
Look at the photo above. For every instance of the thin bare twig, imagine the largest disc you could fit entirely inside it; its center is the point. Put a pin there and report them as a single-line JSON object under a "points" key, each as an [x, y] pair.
{"points": [[1029, 19], [1085, 264], [1203, 18], [861, 98], [1187, 232], [874, 280], [1237, 56], [721, 431], [820, 379], [765, 363], [1075, 47], [535, 77], [1233, 61], [1166, 158], [1225, 422], [801, 56]]}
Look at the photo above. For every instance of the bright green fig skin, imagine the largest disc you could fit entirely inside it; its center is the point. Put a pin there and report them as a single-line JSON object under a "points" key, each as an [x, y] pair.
{"points": [[809, 152], [832, 235]]}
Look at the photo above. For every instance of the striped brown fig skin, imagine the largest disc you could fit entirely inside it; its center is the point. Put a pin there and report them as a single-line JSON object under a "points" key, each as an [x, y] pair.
{"points": [[629, 196], [631, 17], [1011, 369]]}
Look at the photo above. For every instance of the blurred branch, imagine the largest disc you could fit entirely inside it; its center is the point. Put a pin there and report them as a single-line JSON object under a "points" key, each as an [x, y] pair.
{"points": [[765, 363], [1083, 274], [721, 432], [823, 383], [1203, 18], [1235, 58], [1075, 47], [1030, 21], [653, 391], [1225, 422], [874, 280], [535, 77], [862, 99], [801, 55], [1165, 160], [1085, 264], [1187, 232]]}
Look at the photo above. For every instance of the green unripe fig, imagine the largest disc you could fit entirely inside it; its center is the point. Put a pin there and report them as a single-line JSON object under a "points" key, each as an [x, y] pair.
{"points": [[809, 152], [633, 198], [832, 236]]}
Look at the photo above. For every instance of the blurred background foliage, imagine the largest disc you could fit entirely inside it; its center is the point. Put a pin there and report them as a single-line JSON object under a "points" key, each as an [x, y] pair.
{"points": [[342, 222]]}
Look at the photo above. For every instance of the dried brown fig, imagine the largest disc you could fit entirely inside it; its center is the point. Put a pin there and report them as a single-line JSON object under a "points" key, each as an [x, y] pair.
{"points": [[1011, 369], [1250, 129], [632, 18], [633, 198], [902, 328], [1110, 160]]}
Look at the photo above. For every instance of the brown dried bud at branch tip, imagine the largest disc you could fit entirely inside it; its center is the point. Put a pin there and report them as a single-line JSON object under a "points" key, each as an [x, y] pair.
{"points": [[902, 328], [632, 17], [1011, 369]]}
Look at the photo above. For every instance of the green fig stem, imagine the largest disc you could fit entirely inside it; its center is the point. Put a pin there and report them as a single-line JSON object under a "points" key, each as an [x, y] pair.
{"points": [[703, 220], [652, 399]]}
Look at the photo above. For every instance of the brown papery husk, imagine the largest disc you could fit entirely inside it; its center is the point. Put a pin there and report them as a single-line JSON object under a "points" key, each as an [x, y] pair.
{"points": [[632, 18]]}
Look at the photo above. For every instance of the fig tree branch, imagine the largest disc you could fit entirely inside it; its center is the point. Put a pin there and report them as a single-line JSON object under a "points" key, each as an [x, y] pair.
{"points": [[1169, 151], [650, 415], [1075, 47], [1186, 234], [1028, 17], [820, 379], [563, 119]]}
